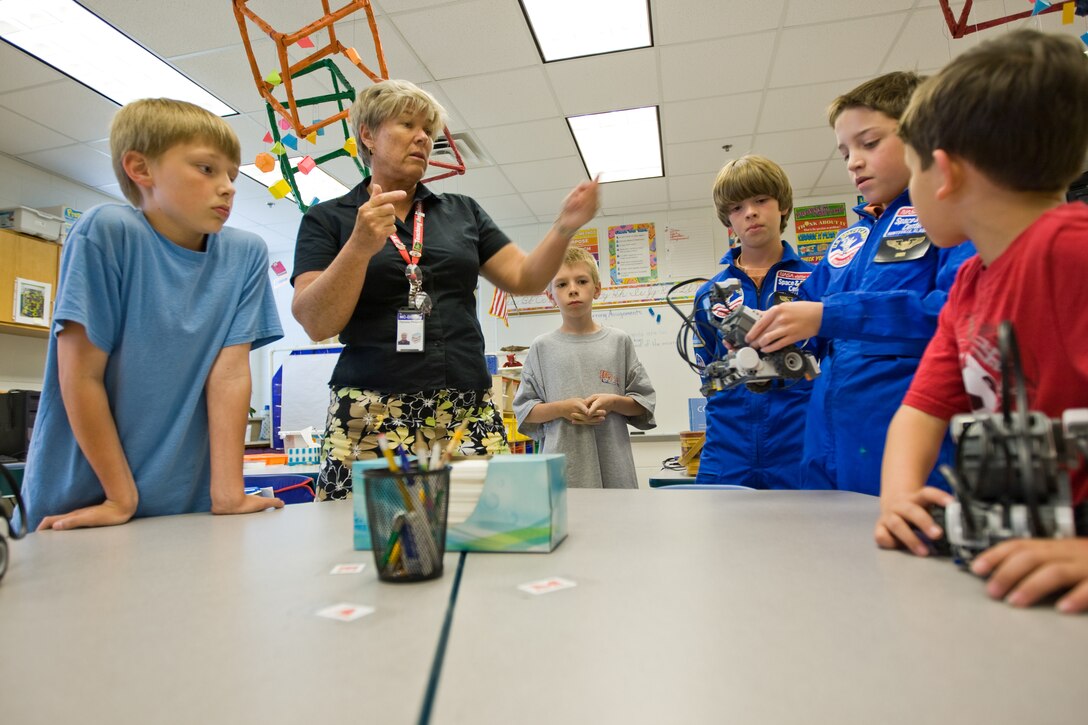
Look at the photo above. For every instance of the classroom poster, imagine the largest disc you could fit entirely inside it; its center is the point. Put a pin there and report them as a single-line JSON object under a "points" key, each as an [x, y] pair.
{"points": [[587, 240], [816, 228], [632, 253]]}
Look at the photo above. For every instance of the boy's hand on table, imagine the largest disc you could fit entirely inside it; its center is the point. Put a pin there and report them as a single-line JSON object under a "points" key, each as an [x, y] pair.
{"points": [[246, 504], [108, 513], [785, 324], [1023, 571], [898, 515]]}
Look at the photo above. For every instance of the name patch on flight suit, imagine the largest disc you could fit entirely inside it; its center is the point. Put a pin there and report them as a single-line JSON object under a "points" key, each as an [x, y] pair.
{"points": [[787, 283], [905, 239], [846, 246]]}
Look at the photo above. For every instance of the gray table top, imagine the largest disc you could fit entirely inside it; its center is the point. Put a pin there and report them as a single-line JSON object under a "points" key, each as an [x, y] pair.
{"points": [[211, 619], [747, 607]]}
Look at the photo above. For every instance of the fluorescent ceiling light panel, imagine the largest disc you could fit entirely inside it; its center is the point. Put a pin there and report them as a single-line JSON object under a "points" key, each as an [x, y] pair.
{"points": [[86, 48], [316, 184], [575, 28], [619, 145]]}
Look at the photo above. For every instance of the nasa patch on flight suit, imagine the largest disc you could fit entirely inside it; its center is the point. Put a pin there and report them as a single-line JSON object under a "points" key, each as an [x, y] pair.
{"points": [[905, 239]]}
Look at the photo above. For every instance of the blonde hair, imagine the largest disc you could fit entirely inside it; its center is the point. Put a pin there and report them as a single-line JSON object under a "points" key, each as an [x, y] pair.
{"points": [[577, 255], [997, 106], [749, 176], [382, 101], [152, 126]]}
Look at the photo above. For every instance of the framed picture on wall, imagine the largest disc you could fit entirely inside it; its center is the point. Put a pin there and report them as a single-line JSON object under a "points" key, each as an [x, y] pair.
{"points": [[33, 302]]}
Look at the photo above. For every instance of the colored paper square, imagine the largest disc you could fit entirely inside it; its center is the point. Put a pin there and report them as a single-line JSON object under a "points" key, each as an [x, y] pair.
{"points": [[264, 162], [280, 189], [305, 43], [306, 165]]}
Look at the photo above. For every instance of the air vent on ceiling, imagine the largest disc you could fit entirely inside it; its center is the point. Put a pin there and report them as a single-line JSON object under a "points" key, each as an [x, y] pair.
{"points": [[467, 146]]}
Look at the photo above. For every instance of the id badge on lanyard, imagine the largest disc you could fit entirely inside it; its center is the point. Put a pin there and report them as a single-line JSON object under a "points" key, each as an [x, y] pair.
{"points": [[410, 319]]}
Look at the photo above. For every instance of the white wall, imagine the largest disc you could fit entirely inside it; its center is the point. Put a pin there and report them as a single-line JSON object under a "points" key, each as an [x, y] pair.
{"points": [[22, 359]]}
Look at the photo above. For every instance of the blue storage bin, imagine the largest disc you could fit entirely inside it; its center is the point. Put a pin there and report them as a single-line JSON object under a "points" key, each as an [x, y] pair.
{"points": [[290, 488]]}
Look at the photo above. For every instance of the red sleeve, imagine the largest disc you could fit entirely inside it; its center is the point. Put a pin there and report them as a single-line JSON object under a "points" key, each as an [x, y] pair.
{"points": [[937, 388], [1069, 297]]}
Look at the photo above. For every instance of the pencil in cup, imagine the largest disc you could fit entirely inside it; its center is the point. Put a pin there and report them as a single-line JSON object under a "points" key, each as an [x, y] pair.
{"points": [[408, 537], [455, 441]]}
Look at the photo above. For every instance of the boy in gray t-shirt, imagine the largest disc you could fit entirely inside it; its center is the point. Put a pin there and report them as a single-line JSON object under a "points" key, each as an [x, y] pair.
{"points": [[582, 384]]}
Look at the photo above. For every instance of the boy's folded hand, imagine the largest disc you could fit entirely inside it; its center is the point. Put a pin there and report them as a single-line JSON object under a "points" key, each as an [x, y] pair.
{"points": [[108, 513], [903, 517]]}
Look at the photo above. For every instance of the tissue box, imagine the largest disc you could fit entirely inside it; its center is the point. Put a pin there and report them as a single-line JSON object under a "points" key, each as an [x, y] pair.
{"points": [[523, 506]]}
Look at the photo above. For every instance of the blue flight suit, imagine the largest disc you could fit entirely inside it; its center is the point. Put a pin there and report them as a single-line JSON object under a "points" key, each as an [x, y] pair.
{"points": [[882, 284], [752, 439]]}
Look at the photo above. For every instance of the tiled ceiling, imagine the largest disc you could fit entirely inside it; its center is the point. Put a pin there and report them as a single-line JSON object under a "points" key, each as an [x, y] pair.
{"points": [[753, 74]]}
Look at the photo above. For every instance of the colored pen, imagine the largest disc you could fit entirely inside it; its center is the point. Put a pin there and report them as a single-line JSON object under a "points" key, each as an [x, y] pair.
{"points": [[383, 446]]}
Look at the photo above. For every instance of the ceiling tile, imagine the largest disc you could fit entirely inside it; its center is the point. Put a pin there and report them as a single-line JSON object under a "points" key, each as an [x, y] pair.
{"points": [[531, 141], [609, 82], [565, 173], [702, 156], [694, 187], [486, 181], [77, 162], [20, 70], [66, 107], [501, 208], [786, 109], [684, 67], [847, 49], [721, 118], [789, 147], [468, 38], [681, 21], [484, 100], [22, 135], [803, 176], [804, 13], [630, 193]]}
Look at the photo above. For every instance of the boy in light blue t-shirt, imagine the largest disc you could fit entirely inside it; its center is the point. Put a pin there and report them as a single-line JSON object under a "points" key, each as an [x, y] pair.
{"points": [[147, 382]]}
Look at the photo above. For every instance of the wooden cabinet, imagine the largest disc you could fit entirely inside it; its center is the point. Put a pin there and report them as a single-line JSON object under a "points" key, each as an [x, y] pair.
{"points": [[25, 257]]}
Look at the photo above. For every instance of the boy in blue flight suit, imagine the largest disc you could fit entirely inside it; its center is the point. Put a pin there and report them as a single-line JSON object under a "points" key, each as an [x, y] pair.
{"points": [[753, 439], [874, 298]]}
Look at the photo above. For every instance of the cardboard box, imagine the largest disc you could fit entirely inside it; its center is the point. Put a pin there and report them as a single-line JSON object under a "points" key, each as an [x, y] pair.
{"points": [[522, 508], [31, 221]]}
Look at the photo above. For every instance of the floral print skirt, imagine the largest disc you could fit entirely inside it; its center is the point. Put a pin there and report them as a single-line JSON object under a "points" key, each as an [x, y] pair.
{"points": [[414, 420]]}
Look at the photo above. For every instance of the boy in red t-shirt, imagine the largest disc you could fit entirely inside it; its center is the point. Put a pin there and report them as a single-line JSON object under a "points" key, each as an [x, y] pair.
{"points": [[991, 153]]}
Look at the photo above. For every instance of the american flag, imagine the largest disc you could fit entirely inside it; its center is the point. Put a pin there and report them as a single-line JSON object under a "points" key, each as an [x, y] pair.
{"points": [[498, 306]]}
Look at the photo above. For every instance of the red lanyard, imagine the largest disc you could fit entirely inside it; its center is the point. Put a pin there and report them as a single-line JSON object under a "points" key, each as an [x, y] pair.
{"points": [[417, 238]]}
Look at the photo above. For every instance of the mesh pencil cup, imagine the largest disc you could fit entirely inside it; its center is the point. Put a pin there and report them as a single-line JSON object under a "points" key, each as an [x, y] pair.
{"points": [[406, 512]]}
